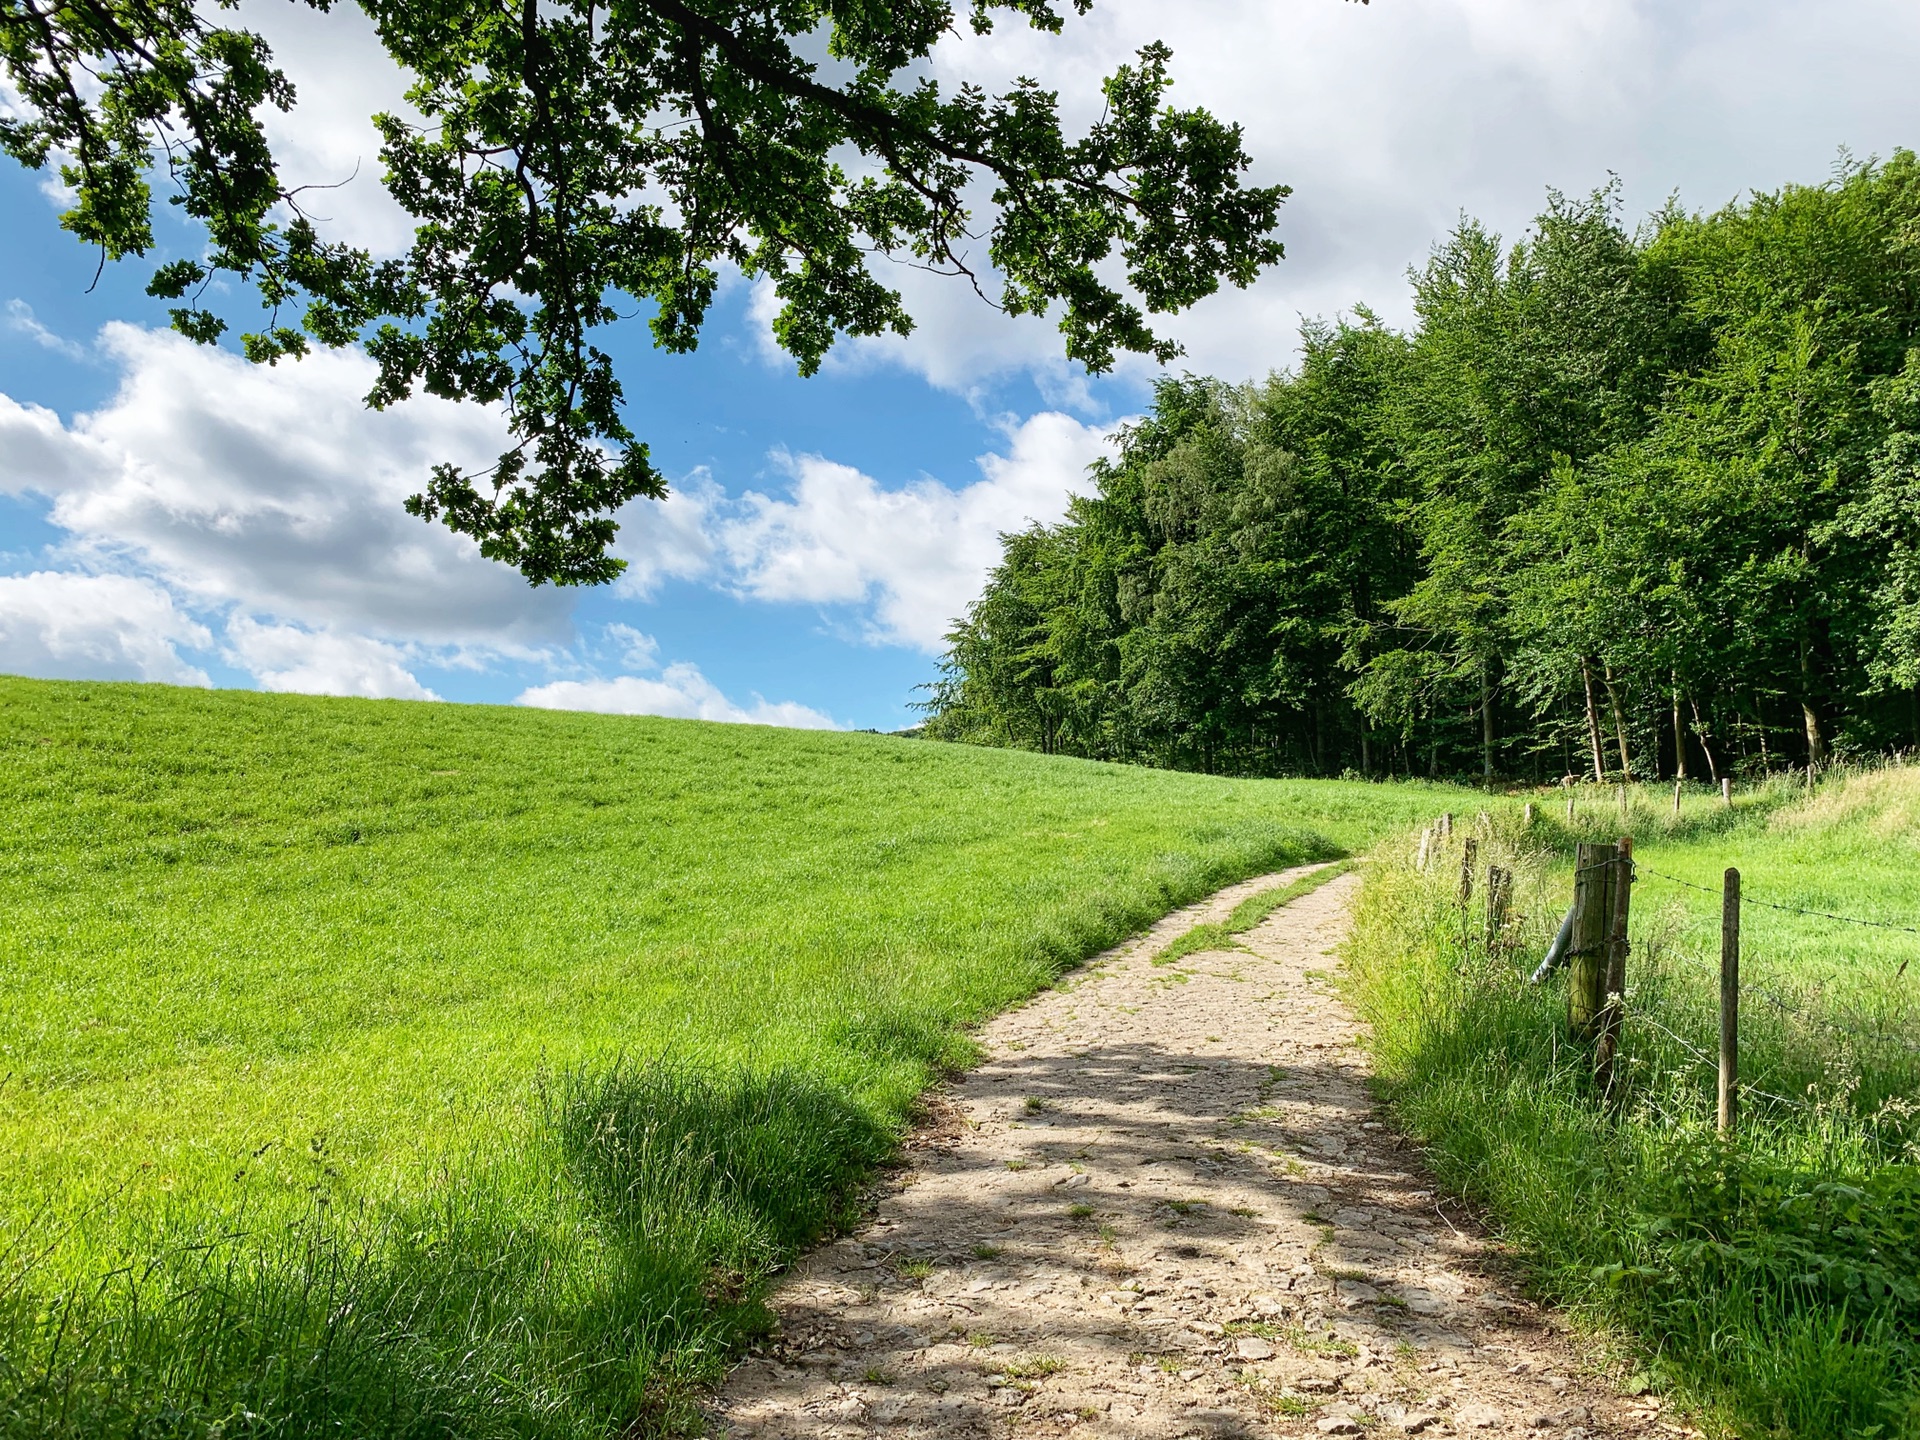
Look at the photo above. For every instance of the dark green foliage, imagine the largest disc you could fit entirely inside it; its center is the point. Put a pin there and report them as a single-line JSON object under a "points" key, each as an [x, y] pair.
{"points": [[568, 154], [1621, 503]]}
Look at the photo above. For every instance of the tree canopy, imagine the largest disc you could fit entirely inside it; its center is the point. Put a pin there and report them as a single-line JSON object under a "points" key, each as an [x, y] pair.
{"points": [[1619, 501], [564, 153]]}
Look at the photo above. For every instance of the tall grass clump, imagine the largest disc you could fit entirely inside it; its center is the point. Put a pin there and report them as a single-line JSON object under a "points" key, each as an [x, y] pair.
{"points": [[589, 1272], [1773, 1280]]}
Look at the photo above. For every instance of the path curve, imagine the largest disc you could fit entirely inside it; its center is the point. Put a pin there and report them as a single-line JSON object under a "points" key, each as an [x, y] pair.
{"points": [[1167, 1206]]}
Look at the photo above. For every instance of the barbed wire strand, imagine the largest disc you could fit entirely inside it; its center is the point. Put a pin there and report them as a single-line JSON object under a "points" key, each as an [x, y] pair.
{"points": [[1746, 899]]}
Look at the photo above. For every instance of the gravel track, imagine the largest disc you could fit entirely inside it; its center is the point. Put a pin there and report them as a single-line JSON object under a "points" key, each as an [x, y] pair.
{"points": [[1166, 1205]]}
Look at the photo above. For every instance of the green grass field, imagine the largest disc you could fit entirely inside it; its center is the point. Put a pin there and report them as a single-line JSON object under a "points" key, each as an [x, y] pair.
{"points": [[1772, 1283], [419, 1070]]}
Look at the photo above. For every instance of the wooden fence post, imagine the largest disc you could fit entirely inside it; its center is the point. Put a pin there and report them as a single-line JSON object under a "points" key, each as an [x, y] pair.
{"points": [[1676, 795], [1446, 826], [1569, 807], [1499, 895], [1529, 815], [1426, 848], [1587, 947], [1730, 1003], [1467, 853], [1726, 792], [1613, 1011]]}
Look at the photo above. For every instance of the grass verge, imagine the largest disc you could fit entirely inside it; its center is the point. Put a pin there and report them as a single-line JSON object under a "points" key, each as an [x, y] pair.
{"points": [[1247, 914], [1773, 1282]]}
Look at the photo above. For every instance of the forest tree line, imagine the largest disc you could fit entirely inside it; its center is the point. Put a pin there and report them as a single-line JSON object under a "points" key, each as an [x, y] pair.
{"points": [[1621, 502]]}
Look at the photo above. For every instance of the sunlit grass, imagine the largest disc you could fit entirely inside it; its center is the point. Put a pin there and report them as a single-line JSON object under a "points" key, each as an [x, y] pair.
{"points": [[489, 1060], [1769, 1280]]}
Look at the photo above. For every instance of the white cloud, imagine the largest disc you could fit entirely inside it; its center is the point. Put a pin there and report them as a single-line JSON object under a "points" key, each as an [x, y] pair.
{"points": [[342, 77], [21, 319], [109, 627], [637, 651], [36, 452], [667, 539], [681, 692], [271, 489], [917, 555], [323, 662], [1390, 119]]}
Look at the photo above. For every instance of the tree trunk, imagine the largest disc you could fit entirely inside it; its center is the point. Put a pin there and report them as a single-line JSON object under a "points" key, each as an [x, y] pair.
{"points": [[1679, 734], [1366, 751], [1816, 742], [1700, 733], [1760, 719], [1619, 724], [1593, 725], [1486, 726]]}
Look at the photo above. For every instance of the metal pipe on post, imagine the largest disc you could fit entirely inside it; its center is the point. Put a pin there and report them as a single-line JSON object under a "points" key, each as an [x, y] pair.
{"points": [[1587, 954], [1730, 1003]]}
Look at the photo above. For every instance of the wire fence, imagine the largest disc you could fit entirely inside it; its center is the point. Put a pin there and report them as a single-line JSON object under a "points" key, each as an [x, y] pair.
{"points": [[1637, 1008], [1641, 868]]}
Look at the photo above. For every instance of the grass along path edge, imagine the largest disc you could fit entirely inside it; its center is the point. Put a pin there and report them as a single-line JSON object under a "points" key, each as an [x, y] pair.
{"points": [[1219, 935]]}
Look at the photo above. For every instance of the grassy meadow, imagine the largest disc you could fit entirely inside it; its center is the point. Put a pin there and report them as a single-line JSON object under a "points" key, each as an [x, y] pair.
{"points": [[378, 1068], [1773, 1283]]}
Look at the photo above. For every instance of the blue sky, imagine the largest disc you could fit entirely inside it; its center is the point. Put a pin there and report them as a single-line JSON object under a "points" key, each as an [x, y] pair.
{"points": [[167, 514]]}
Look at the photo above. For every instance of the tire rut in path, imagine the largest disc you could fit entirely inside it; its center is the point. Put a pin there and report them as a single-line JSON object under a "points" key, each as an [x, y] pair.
{"points": [[1165, 1205]]}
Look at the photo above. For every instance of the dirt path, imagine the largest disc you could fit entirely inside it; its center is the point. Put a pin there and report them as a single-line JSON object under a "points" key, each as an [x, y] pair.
{"points": [[1165, 1206]]}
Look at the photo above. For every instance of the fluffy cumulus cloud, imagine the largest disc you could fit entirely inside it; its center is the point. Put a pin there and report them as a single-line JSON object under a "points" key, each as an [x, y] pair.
{"points": [[266, 502], [679, 692], [1390, 119], [272, 495], [274, 488], [668, 539], [106, 627], [323, 662], [912, 557]]}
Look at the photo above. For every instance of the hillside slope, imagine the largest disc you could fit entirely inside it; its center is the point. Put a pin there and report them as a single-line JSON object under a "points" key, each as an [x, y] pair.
{"points": [[374, 1030]]}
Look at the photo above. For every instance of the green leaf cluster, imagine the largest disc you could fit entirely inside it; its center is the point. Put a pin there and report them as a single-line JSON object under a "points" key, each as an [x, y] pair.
{"points": [[563, 155]]}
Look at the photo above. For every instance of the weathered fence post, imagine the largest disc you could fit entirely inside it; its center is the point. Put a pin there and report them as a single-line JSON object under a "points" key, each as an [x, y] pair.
{"points": [[1613, 1011], [1676, 795], [1467, 854], [1569, 807], [1426, 848], [1499, 895], [1446, 826], [1587, 948], [1529, 815], [1726, 792], [1730, 1003]]}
